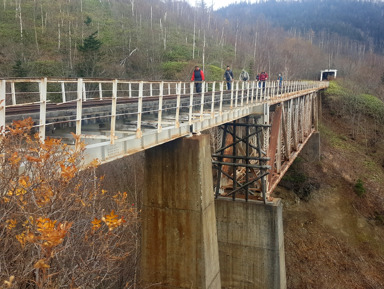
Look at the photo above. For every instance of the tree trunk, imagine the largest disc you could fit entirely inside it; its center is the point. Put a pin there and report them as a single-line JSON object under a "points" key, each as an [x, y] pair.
{"points": [[21, 21], [194, 38]]}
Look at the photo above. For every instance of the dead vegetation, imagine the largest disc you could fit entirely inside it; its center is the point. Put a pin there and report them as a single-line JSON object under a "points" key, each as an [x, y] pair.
{"points": [[334, 236], [59, 228]]}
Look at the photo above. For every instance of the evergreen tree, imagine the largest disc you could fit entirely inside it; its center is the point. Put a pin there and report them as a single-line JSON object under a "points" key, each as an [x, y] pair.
{"points": [[90, 50]]}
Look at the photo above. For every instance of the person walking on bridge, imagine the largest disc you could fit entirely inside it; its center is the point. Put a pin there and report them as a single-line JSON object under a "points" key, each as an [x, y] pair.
{"points": [[197, 77], [228, 76], [263, 78], [280, 80], [244, 75]]}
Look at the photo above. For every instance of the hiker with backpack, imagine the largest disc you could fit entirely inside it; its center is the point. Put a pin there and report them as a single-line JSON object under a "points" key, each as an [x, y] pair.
{"points": [[280, 79], [244, 76], [263, 78], [228, 76], [197, 77]]}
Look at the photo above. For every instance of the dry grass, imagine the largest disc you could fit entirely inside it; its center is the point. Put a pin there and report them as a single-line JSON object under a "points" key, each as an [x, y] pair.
{"points": [[335, 239]]}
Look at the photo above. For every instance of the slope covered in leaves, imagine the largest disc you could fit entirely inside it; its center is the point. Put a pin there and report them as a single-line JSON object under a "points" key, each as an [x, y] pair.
{"points": [[334, 232]]}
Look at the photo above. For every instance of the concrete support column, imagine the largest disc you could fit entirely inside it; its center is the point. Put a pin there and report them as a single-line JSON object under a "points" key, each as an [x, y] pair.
{"points": [[179, 236], [251, 244]]}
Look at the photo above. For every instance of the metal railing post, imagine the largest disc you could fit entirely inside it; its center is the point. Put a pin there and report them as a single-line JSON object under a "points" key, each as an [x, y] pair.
{"points": [[178, 92], [2, 105], [190, 103], [247, 86], [13, 91], [84, 92], [43, 107], [253, 91], [139, 110], [221, 97], [63, 98], [202, 102], [237, 93], [113, 112], [274, 89], [100, 90], [231, 106], [160, 113], [79, 106]]}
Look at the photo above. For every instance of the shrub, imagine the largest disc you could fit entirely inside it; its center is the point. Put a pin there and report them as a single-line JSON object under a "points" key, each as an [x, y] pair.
{"points": [[359, 188], [58, 227], [214, 73], [178, 53], [379, 218], [46, 68], [173, 70]]}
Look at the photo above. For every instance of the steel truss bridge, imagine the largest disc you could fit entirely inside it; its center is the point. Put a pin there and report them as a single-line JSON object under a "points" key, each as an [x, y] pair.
{"points": [[256, 132]]}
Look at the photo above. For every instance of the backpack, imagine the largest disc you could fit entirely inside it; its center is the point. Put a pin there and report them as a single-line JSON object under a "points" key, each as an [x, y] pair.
{"points": [[244, 75]]}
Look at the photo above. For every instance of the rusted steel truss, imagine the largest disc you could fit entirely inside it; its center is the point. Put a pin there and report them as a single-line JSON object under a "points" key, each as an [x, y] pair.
{"points": [[241, 164], [299, 119], [256, 151]]}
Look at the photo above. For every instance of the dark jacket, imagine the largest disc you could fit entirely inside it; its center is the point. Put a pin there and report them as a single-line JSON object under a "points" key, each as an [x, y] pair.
{"points": [[197, 75], [228, 75]]}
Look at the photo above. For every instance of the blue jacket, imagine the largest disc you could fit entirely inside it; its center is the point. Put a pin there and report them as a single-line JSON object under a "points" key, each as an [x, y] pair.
{"points": [[228, 75]]}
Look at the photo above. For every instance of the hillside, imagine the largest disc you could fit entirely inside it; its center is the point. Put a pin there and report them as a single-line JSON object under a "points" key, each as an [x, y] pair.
{"points": [[357, 24], [334, 209], [153, 39]]}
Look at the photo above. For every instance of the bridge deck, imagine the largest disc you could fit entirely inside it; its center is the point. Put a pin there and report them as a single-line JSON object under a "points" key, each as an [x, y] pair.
{"points": [[120, 117]]}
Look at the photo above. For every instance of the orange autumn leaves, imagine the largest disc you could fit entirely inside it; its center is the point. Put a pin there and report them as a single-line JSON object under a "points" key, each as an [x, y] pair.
{"points": [[112, 221], [54, 215]]}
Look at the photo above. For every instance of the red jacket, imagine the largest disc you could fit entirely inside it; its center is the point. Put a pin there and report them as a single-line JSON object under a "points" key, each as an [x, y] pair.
{"points": [[263, 76], [197, 75]]}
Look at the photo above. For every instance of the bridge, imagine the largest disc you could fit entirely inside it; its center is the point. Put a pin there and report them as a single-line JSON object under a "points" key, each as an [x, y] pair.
{"points": [[194, 234]]}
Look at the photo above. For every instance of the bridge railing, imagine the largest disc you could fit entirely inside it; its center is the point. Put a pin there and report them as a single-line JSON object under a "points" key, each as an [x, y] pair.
{"points": [[126, 107]]}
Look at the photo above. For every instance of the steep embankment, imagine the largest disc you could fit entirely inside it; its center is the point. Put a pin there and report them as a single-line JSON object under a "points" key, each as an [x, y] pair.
{"points": [[334, 233]]}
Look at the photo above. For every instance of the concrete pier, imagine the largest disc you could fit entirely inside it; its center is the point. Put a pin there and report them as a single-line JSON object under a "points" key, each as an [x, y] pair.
{"points": [[179, 236], [251, 244]]}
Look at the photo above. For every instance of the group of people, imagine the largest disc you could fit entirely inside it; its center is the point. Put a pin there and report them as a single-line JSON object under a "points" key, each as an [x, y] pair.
{"points": [[198, 77]]}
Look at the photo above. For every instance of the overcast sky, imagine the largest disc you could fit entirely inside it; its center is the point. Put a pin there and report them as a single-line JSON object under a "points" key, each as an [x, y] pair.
{"points": [[219, 3]]}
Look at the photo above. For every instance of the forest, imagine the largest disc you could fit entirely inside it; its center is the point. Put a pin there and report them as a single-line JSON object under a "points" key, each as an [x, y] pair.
{"points": [[358, 24], [153, 39]]}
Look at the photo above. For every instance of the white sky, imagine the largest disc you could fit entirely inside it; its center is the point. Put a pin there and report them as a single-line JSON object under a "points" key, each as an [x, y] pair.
{"points": [[219, 3]]}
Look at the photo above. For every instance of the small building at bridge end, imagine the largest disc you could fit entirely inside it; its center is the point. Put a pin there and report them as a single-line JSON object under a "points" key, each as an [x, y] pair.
{"points": [[328, 74]]}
